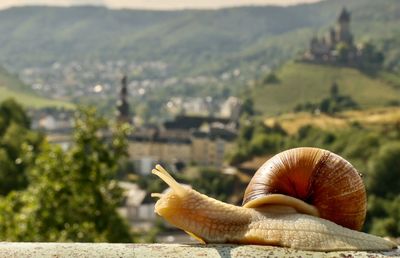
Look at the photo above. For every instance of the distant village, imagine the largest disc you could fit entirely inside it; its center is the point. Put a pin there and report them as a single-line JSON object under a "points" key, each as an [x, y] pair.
{"points": [[194, 139], [78, 79]]}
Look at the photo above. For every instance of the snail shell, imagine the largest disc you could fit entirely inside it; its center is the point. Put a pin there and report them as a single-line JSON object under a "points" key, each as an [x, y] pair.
{"points": [[318, 178]]}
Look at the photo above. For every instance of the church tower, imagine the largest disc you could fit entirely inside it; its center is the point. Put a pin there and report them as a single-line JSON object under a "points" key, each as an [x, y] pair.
{"points": [[123, 113], [343, 28]]}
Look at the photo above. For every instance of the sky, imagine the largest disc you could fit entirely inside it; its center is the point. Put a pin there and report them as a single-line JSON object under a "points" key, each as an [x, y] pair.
{"points": [[153, 4]]}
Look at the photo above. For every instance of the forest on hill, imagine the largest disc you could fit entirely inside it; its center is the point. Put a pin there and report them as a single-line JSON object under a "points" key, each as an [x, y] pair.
{"points": [[190, 41]]}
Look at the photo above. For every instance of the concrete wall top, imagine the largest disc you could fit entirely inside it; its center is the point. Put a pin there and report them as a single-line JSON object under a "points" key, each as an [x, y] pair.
{"points": [[59, 250]]}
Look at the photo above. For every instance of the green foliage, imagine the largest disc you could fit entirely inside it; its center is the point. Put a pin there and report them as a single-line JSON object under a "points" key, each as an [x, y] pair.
{"points": [[383, 216], [14, 134], [214, 184], [372, 58], [248, 107], [11, 111], [383, 180], [194, 41], [72, 195], [391, 78], [333, 104], [392, 53], [271, 78], [150, 184], [343, 52], [208, 181], [256, 139]]}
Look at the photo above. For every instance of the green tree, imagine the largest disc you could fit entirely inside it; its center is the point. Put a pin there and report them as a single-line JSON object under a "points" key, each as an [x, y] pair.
{"points": [[11, 111], [213, 183], [248, 107], [336, 102], [334, 90], [384, 191], [343, 52], [371, 55], [14, 133], [72, 194], [271, 78], [385, 171], [383, 216]]}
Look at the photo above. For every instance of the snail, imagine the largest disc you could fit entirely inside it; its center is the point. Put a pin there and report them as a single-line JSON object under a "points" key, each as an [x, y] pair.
{"points": [[302, 198]]}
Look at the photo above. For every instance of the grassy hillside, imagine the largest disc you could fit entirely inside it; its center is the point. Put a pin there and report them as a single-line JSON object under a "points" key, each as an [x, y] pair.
{"points": [[374, 117], [29, 100], [190, 41], [300, 83], [12, 81], [12, 87]]}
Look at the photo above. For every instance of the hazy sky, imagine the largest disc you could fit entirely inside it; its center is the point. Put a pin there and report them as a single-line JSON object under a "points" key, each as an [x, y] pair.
{"points": [[153, 4]]}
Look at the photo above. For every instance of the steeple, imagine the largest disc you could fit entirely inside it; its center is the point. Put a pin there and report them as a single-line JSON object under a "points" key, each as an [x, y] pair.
{"points": [[343, 33], [123, 114], [332, 36], [344, 16]]}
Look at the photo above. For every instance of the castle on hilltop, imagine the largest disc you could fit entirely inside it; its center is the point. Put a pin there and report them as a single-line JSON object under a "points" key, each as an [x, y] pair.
{"points": [[337, 47]]}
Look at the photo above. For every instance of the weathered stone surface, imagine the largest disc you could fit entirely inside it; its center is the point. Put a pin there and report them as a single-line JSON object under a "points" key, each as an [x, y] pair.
{"points": [[59, 250]]}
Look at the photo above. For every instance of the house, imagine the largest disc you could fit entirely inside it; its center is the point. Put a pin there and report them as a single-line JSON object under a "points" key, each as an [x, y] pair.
{"points": [[185, 140], [135, 207]]}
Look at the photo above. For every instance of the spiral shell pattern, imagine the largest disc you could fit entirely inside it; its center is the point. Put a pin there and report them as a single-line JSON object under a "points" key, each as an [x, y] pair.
{"points": [[317, 177]]}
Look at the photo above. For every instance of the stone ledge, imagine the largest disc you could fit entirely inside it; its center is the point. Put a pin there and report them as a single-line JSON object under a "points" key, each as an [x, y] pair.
{"points": [[59, 250]]}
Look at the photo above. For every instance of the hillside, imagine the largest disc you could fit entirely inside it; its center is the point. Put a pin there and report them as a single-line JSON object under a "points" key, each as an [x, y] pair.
{"points": [[370, 118], [12, 81], [300, 83], [12, 87], [190, 41]]}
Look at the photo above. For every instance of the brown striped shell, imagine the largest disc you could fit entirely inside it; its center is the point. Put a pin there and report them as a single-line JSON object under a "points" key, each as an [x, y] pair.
{"points": [[316, 176]]}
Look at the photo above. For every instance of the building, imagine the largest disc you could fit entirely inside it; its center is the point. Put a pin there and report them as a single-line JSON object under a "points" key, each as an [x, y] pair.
{"points": [[135, 208], [200, 140], [231, 108], [123, 112], [185, 140], [335, 47], [57, 124]]}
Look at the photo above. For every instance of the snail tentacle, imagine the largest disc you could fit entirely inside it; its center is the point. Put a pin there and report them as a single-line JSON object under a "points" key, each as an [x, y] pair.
{"points": [[167, 178]]}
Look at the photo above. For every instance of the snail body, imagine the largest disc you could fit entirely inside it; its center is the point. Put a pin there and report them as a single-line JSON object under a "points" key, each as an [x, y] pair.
{"points": [[271, 217]]}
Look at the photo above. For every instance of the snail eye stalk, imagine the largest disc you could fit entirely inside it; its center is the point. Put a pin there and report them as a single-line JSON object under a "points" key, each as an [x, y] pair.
{"points": [[169, 180]]}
